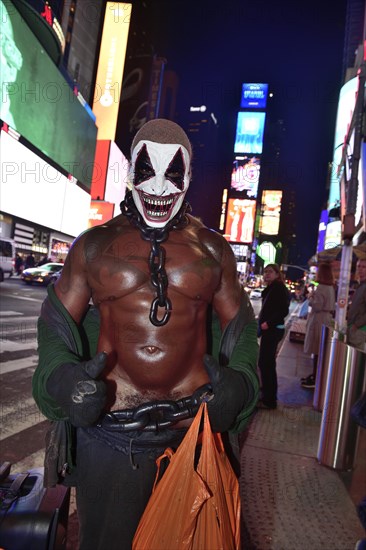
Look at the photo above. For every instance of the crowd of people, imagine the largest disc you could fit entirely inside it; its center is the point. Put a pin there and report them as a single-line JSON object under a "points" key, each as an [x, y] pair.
{"points": [[319, 308], [26, 261], [321, 298]]}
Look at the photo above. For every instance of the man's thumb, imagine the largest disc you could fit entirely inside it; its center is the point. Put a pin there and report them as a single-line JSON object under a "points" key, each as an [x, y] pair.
{"points": [[95, 366]]}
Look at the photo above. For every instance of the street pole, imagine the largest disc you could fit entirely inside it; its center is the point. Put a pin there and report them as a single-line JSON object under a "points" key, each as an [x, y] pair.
{"points": [[351, 190]]}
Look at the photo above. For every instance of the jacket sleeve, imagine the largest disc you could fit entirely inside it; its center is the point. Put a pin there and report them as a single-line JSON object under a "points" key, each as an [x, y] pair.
{"points": [[237, 348], [357, 313], [60, 341], [317, 301]]}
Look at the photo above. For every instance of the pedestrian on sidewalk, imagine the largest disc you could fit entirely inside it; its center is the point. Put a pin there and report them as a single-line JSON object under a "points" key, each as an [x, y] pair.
{"points": [[271, 329], [322, 303], [357, 311], [18, 264]]}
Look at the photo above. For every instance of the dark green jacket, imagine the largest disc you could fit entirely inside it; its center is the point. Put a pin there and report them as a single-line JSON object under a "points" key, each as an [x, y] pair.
{"points": [[61, 341]]}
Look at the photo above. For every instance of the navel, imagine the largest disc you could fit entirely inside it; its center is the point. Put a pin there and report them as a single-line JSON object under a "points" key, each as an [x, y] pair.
{"points": [[151, 349]]}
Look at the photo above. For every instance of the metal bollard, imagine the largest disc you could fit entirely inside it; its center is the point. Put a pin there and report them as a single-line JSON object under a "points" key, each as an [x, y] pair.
{"points": [[322, 367], [346, 382]]}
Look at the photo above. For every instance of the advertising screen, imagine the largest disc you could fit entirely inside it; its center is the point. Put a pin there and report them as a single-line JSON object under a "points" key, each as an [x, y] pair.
{"points": [[111, 62], [249, 133], [34, 190], [269, 221], [333, 236], [240, 251], [38, 102], [322, 230], [110, 173], [267, 251], [346, 104], [59, 249], [240, 220], [100, 212], [245, 175], [254, 96]]}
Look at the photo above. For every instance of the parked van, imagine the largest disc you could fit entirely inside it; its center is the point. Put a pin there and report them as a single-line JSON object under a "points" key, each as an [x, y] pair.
{"points": [[7, 257]]}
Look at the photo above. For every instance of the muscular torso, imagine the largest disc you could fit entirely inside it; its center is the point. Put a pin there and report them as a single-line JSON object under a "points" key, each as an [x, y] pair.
{"points": [[146, 362]]}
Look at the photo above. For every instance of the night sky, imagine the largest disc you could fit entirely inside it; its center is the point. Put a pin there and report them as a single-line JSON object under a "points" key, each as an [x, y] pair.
{"points": [[297, 48]]}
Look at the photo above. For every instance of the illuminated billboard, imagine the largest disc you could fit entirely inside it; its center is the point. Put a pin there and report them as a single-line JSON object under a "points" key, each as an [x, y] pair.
{"points": [[249, 133], [240, 220], [110, 174], [333, 236], [34, 190], [241, 251], [269, 220], [38, 102], [254, 96], [245, 175], [267, 251], [322, 230], [111, 63], [100, 212], [346, 104]]}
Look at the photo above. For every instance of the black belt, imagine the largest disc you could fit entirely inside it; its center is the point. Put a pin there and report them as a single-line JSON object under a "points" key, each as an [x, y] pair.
{"points": [[156, 415]]}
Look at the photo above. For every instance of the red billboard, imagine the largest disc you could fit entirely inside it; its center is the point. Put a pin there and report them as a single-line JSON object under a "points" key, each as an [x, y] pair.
{"points": [[240, 220], [100, 212]]}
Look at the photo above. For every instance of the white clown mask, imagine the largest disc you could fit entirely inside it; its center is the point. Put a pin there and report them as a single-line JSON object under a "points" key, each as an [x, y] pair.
{"points": [[161, 175]]}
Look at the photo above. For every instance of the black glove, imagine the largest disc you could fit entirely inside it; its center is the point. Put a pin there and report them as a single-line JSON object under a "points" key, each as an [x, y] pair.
{"points": [[230, 394], [75, 389]]}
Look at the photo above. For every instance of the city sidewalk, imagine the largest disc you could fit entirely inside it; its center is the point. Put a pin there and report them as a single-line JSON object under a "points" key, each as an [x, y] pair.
{"points": [[289, 500]]}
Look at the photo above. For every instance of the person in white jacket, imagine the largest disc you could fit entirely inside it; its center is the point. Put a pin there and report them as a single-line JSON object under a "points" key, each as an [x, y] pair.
{"points": [[322, 303]]}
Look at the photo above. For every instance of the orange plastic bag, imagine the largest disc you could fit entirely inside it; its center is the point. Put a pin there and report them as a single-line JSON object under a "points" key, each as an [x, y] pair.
{"points": [[193, 508]]}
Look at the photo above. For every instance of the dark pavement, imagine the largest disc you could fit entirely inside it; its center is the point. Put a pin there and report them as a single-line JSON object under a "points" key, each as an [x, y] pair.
{"points": [[289, 500]]}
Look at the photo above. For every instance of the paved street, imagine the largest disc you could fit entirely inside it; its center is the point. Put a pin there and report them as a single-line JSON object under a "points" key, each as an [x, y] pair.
{"points": [[22, 425]]}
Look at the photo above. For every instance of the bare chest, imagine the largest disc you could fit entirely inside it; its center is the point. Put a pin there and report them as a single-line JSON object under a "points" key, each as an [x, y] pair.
{"points": [[129, 264]]}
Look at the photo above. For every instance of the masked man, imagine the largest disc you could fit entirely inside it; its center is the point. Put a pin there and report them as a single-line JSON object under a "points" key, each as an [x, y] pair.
{"points": [[123, 378]]}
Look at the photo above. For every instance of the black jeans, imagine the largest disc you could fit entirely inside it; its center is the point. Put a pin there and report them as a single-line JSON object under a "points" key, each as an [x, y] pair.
{"points": [[267, 364], [113, 486]]}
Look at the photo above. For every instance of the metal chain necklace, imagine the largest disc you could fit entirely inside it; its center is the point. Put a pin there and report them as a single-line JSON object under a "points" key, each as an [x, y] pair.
{"points": [[156, 261]]}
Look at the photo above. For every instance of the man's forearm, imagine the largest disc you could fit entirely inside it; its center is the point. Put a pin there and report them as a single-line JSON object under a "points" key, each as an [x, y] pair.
{"points": [[58, 342], [53, 352], [237, 348]]}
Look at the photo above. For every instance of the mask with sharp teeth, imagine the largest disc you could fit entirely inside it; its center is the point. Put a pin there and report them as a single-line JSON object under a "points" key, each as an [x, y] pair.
{"points": [[160, 171]]}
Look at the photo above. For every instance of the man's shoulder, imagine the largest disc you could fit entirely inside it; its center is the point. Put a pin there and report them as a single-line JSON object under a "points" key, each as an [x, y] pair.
{"points": [[211, 237], [116, 223], [105, 230]]}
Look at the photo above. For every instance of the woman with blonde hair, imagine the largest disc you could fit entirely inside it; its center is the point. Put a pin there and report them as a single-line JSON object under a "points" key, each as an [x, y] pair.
{"points": [[322, 302]]}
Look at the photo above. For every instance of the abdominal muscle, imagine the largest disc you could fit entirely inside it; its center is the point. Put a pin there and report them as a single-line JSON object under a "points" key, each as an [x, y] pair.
{"points": [[147, 363]]}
